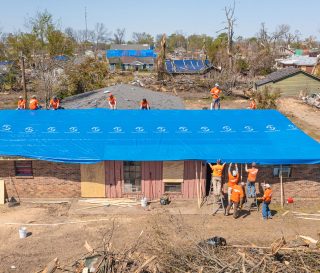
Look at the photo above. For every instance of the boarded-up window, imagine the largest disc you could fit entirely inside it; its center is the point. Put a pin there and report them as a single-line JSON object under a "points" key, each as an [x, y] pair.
{"points": [[23, 168], [132, 176], [173, 171], [172, 187]]}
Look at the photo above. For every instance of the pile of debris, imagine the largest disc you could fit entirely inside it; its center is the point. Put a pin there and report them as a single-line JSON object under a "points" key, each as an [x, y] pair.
{"points": [[313, 100], [106, 202]]}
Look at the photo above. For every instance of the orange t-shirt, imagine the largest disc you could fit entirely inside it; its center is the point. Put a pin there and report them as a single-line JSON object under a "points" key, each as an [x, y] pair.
{"points": [[267, 195], [253, 105], [112, 100], [217, 170], [252, 174], [144, 104], [55, 103], [215, 92], [33, 105], [237, 193], [233, 180], [22, 104]]}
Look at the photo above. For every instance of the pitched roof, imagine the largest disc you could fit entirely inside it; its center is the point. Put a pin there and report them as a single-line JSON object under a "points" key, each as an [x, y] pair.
{"points": [[129, 47], [282, 74], [131, 60], [299, 60]]}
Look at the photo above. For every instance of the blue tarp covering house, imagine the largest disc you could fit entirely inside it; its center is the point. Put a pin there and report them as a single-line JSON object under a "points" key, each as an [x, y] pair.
{"points": [[93, 135]]}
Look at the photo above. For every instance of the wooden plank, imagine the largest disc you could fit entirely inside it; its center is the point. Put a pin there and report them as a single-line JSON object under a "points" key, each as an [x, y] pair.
{"points": [[2, 192], [173, 171], [93, 180]]}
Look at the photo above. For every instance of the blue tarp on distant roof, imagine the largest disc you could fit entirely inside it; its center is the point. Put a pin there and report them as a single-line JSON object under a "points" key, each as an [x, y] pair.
{"points": [[117, 53], [93, 135], [187, 66]]}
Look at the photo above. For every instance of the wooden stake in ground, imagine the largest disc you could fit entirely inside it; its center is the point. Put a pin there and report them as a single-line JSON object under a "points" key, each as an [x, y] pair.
{"points": [[51, 267], [281, 187]]}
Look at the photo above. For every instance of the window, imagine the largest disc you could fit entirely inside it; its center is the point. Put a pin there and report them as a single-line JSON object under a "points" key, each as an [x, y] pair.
{"points": [[286, 171], [132, 176], [23, 168], [172, 187]]}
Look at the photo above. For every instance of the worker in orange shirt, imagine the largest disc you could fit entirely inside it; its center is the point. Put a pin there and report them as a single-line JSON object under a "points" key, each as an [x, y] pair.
{"points": [[233, 179], [236, 200], [215, 92], [34, 103], [21, 103], [251, 180], [112, 102], [144, 105], [266, 200], [55, 103], [216, 179], [252, 104]]}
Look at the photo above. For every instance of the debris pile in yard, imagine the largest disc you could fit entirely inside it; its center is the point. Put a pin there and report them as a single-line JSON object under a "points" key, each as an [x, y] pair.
{"points": [[313, 100], [176, 248], [118, 202]]}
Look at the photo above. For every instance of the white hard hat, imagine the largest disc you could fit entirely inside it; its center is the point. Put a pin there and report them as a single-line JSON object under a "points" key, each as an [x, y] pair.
{"points": [[234, 172], [20, 97], [242, 183], [106, 92], [216, 84], [267, 185]]}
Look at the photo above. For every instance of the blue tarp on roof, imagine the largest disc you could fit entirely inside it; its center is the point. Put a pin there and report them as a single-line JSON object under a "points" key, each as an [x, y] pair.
{"points": [[117, 53], [187, 66], [93, 135]]}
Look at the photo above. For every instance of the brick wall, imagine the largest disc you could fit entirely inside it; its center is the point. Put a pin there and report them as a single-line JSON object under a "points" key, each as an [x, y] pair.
{"points": [[50, 180]]}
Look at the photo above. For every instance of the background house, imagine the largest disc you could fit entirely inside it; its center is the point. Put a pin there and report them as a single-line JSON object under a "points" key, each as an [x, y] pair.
{"points": [[131, 57], [290, 81]]}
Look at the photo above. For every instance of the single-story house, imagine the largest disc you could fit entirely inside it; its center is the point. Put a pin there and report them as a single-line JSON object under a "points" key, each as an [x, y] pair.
{"points": [[125, 153], [290, 81], [131, 57], [302, 62]]}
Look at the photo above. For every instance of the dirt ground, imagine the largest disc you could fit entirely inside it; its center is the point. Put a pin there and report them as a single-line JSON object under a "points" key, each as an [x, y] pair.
{"points": [[60, 230]]}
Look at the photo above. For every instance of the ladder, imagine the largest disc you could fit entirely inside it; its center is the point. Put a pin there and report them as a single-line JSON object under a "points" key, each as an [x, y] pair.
{"points": [[219, 206]]}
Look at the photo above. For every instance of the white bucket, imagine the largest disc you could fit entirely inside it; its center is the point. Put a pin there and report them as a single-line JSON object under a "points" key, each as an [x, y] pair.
{"points": [[22, 232], [144, 202]]}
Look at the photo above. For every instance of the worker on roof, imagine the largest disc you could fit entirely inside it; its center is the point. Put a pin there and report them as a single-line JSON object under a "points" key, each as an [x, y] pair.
{"points": [[252, 104], [266, 200], [112, 102], [144, 105], [34, 103], [21, 103], [215, 92], [251, 180], [233, 179], [236, 200], [217, 170], [55, 103]]}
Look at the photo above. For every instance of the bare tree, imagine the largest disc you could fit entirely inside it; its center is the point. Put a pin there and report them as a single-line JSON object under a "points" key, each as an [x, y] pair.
{"points": [[119, 36], [230, 27], [142, 38], [101, 34]]}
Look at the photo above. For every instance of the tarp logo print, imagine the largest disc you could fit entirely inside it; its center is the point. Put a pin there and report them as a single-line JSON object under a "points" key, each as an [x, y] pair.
{"points": [[6, 127]]}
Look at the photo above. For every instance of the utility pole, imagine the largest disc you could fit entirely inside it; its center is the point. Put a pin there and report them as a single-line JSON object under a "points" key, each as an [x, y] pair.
{"points": [[23, 77], [85, 18]]}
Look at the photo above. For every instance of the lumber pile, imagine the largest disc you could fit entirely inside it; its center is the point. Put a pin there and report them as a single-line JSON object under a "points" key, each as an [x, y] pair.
{"points": [[118, 202]]}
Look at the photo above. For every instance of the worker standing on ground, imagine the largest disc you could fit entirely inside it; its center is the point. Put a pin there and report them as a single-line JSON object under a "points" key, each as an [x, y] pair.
{"points": [[55, 103], [216, 179], [266, 200], [252, 104], [112, 102], [215, 92], [21, 103], [251, 180], [34, 103], [144, 105], [236, 200], [233, 179]]}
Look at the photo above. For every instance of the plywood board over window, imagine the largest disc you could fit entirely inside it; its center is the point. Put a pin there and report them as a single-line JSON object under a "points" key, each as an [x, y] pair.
{"points": [[93, 180], [173, 171]]}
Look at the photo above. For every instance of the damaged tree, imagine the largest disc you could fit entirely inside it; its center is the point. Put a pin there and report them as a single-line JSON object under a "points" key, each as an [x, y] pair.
{"points": [[162, 58]]}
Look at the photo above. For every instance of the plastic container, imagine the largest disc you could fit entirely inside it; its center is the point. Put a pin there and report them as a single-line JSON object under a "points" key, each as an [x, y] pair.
{"points": [[290, 200], [22, 232], [144, 202]]}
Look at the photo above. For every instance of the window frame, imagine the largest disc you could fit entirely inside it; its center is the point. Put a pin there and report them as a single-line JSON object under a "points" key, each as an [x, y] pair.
{"points": [[286, 171], [132, 188], [25, 164], [172, 184]]}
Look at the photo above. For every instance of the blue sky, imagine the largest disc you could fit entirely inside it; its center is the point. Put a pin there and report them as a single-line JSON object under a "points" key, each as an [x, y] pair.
{"points": [[188, 16]]}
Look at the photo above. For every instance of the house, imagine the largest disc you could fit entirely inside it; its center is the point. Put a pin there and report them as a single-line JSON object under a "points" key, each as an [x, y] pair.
{"points": [[134, 153], [303, 62], [290, 81], [131, 57]]}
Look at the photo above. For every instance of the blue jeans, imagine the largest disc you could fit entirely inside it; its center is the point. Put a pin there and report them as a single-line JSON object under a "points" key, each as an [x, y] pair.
{"points": [[215, 102], [251, 189], [266, 213]]}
